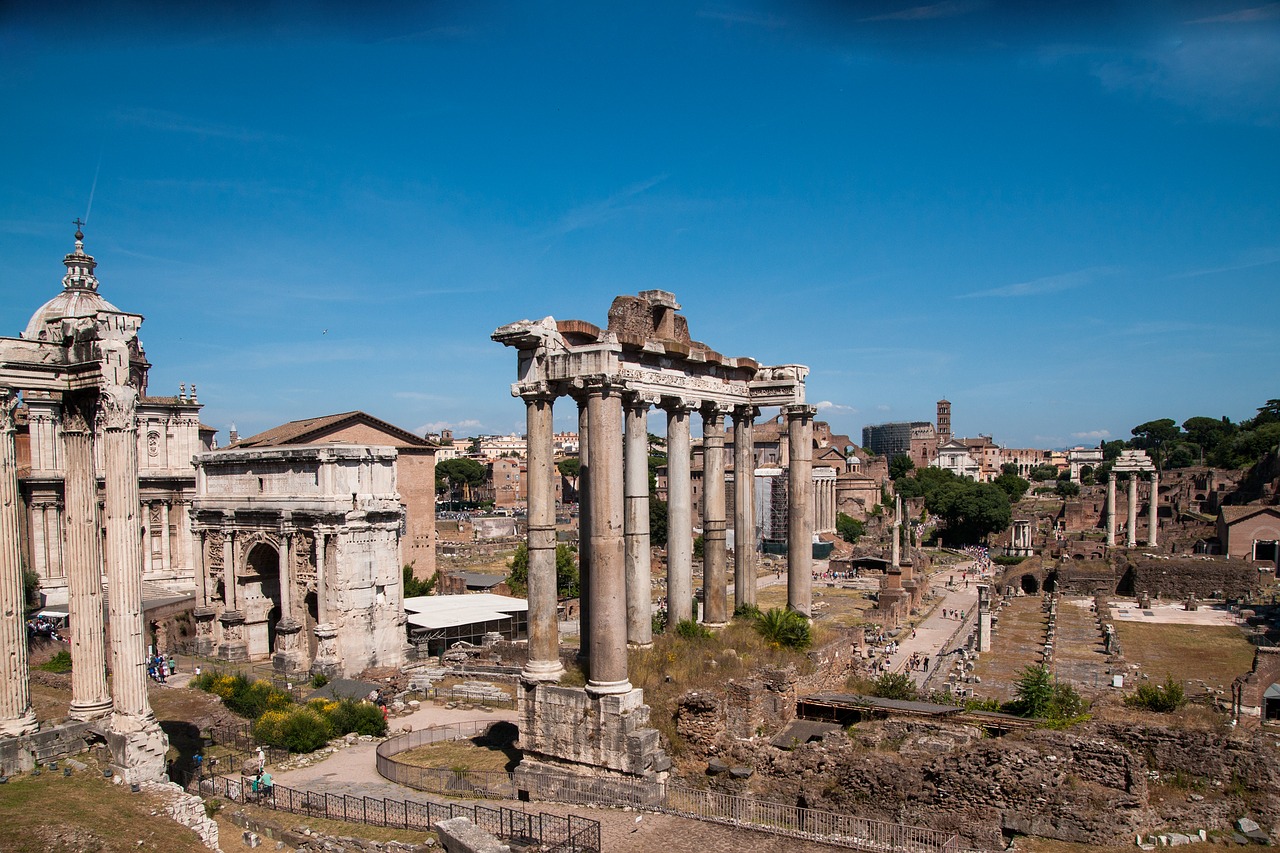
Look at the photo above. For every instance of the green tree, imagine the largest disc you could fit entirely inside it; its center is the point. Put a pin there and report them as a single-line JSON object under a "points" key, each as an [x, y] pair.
{"points": [[899, 466], [1154, 436], [461, 475], [657, 522], [1012, 485], [570, 467], [1044, 472], [1111, 449], [1038, 694], [566, 571], [1066, 489], [1009, 468], [849, 528], [970, 511], [413, 587], [1208, 433]]}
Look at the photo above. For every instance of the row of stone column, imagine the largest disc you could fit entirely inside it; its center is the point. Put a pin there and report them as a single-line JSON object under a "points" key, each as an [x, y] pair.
{"points": [[824, 503], [116, 407], [1153, 507], [614, 544]]}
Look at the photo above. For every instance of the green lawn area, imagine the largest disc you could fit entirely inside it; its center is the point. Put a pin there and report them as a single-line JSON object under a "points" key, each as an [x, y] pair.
{"points": [[1214, 654]]}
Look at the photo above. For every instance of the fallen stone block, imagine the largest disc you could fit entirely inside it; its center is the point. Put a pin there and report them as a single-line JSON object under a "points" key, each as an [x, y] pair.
{"points": [[1245, 824]]}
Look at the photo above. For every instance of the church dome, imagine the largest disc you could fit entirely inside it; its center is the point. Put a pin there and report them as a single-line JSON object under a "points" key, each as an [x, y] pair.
{"points": [[79, 297]]}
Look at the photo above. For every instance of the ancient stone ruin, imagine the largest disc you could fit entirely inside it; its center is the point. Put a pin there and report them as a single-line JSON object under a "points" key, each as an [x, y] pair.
{"points": [[644, 357], [86, 354], [300, 558]]}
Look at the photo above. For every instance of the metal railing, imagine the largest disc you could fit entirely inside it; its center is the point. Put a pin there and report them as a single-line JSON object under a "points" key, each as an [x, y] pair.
{"points": [[730, 809], [568, 834]]}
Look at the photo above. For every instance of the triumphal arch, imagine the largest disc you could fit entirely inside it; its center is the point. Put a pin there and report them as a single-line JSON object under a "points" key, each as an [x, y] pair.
{"points": [[86, 355], [643, 358]]}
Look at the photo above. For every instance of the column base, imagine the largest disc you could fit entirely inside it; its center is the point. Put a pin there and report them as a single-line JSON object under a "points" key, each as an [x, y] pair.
{"points": [[542, 671], [327, 662], [138, 746], [609, 688], [90, 710], [23, 725], [234, 646], [648, 645], [714, 626], [574, 730]]}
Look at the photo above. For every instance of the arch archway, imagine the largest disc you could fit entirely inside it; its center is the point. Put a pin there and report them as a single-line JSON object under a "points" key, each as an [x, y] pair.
{"points": [[260, 587], [1030, 585], [1051, 582]]}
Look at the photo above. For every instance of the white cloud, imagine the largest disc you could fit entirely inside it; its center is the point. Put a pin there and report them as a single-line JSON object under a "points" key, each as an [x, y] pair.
{"points": [[437, 426], [882, 407], [1041, 286], [1093, 434], [835, 407], [932, 11]]}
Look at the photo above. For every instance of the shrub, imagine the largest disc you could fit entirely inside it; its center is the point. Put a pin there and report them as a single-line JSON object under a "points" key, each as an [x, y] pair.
{"points": [[747, 611], [1006, 560], [61, 662], [303, 730], [242, 696], [1161, 698], [363, 718], [1038, 694], [691, 630], [894, 685], [319, 680], [785, 628]]}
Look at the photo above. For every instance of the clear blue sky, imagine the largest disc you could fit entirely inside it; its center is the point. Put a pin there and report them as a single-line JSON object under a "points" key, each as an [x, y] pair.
{"points": [[1065, 223]]}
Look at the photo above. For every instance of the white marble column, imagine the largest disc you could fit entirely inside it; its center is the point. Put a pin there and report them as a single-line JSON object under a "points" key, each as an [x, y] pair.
{"points": [[90, 696], [679, 516], [137, 744], [544, 630], [202, 574], [744, 512], [322, 580], [607, 589], [799, 518], [16, 714], [584, 531], [714, 554], [166, 547], [286, 574], [636, 523], [1111, 508], [230, 585], [1153, 511], [39, 553], [1131, 535]]}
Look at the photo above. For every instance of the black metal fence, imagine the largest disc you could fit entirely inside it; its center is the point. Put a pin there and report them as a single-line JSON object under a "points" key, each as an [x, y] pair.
{"points": [[569, 834]]}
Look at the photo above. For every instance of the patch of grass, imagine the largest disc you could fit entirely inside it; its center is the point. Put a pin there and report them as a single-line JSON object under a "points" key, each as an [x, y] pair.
{"points": [[1015, 643], [480, 753], [1214, 654], [675, 665], [59, 663], [52, 813], [337, 828]]}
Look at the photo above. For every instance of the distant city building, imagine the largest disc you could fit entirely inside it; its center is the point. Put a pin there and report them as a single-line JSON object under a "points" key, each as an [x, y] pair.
{"points": [[894, 439]]}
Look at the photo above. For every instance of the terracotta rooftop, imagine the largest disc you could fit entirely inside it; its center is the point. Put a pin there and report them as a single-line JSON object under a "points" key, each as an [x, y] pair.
{"points": [[309, 430]]}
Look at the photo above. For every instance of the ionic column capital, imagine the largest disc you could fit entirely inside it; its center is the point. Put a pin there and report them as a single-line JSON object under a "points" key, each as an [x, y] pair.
{"points": [[536, 392], [679, 405], [712, 410], [799, 411]]}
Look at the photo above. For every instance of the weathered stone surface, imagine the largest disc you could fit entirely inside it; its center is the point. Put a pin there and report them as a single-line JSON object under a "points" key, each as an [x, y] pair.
{"points": [[460, 835]]}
